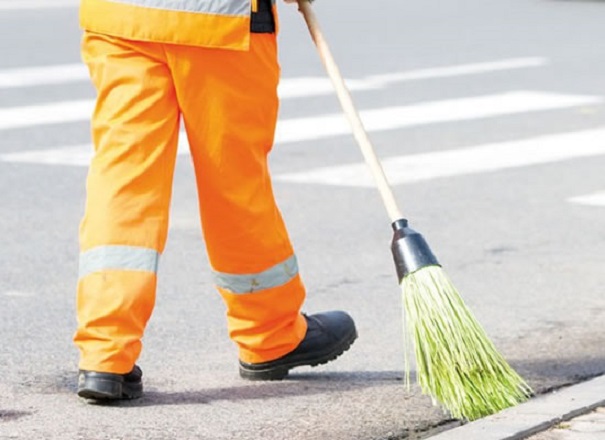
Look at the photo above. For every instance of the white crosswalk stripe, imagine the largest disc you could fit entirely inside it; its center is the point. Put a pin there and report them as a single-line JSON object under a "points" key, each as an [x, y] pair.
{"points": [[77, 155], [314, 86], [9, 5], [463, 109], [41, 76], [323, 126], [594, 199], [464, 161], [289, 87], [45, 114]]}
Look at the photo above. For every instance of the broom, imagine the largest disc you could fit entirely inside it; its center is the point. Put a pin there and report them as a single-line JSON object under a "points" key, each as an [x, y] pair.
{"points": [[456, 363]]}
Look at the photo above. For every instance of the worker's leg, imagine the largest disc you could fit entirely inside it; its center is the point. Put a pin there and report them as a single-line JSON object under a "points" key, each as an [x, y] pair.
{"points": [[229, 104], [135, 127]]}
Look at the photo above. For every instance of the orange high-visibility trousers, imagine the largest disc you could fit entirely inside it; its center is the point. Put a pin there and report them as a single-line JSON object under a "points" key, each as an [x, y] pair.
{"points": [[228, 102]]}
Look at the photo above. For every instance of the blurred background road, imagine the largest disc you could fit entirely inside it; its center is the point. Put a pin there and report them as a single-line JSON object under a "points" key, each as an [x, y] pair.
{"points": [[490, 118]]}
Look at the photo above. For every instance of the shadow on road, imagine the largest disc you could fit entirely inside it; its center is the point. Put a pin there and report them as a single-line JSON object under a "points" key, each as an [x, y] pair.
{"points": [[546, 375], [296, 385], [7, 415]]}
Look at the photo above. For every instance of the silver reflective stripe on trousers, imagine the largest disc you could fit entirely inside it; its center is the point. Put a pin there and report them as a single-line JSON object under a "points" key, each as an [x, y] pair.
{"points": [[275, 276], [118, 258], [219, 7]]}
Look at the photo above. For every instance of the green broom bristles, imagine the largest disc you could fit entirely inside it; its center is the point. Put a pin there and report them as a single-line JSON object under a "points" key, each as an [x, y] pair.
{"points": [[457, 364]]}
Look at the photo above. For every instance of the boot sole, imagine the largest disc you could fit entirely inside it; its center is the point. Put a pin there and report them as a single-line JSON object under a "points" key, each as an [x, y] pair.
{"points": [[106, 389], [280, 371]]}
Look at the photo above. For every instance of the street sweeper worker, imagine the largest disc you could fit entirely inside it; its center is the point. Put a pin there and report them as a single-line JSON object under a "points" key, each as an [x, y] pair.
{"points": [[213, 64]]}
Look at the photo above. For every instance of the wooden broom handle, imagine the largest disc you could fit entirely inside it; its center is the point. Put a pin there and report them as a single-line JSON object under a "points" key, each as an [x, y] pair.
{"points": [[344, 96]]}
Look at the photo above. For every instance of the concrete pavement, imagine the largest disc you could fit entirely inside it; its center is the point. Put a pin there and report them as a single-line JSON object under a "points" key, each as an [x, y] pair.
{"points": [[589, 426]]}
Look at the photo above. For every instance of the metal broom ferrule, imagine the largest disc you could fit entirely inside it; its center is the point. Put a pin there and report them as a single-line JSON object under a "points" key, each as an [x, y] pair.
{"points": [[410, 250]]}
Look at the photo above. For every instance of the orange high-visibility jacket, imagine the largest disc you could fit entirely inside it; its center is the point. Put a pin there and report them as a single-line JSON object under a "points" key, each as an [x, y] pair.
{"points": [[221, 24]]}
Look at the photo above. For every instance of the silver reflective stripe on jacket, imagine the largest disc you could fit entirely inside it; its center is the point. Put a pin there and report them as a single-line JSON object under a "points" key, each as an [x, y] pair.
{"points": [[275, 276], [118, 258], [219, 7]]}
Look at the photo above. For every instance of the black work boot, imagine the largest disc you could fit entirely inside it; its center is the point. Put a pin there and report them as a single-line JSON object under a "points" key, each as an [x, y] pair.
{"points": [[110, 386], [328, 336]]}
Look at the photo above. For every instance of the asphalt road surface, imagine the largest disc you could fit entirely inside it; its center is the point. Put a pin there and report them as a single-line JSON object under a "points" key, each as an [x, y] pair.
{"points": [[490, 118]]}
